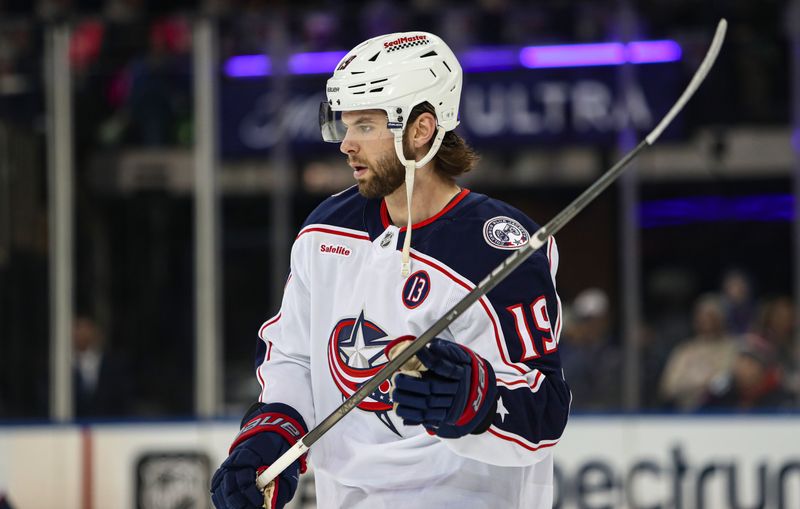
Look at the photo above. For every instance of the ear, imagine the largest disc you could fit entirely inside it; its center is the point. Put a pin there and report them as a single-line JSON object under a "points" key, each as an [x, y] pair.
{"points": [[422, 131]]}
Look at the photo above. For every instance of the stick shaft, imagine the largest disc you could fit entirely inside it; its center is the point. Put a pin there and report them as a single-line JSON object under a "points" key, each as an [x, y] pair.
{"points": [[503, 270]]}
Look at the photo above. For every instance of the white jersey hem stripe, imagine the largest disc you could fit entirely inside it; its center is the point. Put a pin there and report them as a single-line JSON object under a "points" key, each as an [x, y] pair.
{"points": [[518, 384], [504, 435]]}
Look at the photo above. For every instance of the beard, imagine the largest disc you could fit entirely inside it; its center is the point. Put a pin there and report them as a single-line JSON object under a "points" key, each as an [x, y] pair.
{"points": [[387, 175]]}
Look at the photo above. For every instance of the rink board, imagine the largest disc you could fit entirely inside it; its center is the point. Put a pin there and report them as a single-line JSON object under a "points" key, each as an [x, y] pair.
{"points": [[713, 462]]}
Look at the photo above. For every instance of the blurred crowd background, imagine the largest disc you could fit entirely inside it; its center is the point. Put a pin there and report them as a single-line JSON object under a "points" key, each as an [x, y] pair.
{"points": [[716, 327]]}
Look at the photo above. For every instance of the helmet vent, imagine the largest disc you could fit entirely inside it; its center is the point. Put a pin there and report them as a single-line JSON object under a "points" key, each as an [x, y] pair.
{"points": [[356, 72], [379, 89], [359, 92], [434, 74], [429, 54], [378, 81], [357, 85], [374, 57], [445, 64]]}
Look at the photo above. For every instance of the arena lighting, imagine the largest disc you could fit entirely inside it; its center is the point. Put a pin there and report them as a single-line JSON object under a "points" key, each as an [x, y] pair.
{"points": [[707, 209], [484, 59], [607, 53], [652, 52], [321, 62], [246, 66], [796, 139], [489, 59]]}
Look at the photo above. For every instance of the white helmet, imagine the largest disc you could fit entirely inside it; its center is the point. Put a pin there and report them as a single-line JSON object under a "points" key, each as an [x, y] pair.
{"points": [[394, 73]]}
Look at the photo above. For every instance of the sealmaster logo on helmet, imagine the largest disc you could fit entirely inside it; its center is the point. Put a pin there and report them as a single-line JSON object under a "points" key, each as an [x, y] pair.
{"points": [[406, 42]]}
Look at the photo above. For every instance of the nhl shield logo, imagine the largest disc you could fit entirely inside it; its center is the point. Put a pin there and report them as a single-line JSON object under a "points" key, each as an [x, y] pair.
{"points": [[355, 355], [505, 233]]}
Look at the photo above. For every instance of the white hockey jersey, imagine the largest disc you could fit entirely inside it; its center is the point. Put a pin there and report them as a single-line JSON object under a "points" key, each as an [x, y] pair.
{"points": [[345, 299]]}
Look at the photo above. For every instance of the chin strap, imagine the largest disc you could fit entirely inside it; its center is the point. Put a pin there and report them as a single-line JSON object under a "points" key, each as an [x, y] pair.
{"points": [[405, 264], [411, 167]]}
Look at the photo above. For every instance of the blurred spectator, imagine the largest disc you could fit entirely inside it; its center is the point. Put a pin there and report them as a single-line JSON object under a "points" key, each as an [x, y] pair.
{"points": [[125, 10], [653, 355], [85, 45], [737, 300], [590, 358], [159, 100], [383, 17], [776, 325], [4, 502], [492, 21], [133, 80], [670, 291], [668, 296], [694, 363], [754, 381], [24, 317], [426, 15], [20, 71], [319, 30], [103, 380]]}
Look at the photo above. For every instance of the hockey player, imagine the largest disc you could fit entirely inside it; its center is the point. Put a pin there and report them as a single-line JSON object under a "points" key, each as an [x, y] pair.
{"points": [[473, 423]]}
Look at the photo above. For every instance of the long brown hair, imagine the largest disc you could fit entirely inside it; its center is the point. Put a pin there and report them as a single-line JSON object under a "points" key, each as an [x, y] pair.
{"points": [[454, 157]]}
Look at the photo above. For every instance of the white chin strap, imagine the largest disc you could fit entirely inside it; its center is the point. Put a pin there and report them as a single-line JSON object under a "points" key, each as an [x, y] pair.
{"points": [[411, 166]]}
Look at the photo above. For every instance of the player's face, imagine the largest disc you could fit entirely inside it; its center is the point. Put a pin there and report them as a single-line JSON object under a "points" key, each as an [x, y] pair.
{"points": [[369, 146]]}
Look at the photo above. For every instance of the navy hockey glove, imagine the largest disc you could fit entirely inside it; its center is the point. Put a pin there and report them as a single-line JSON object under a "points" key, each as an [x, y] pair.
{"points": [[454, 393], [268, 430]]}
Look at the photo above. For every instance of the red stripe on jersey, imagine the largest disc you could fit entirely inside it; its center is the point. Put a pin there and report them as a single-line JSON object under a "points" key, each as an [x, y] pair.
{"points": [[332, 232], [534, 386], [267, 354], [262, 383], [267, 324], [537, 382], [453, 202], [485, 306], [519, 442]]}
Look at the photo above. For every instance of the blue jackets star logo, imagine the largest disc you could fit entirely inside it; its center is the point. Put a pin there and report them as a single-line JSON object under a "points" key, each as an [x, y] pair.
{"points": [[355, 355]]}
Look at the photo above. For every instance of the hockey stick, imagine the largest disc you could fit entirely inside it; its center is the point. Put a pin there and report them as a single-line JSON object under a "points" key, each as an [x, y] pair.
{"points": [[499, 273]]}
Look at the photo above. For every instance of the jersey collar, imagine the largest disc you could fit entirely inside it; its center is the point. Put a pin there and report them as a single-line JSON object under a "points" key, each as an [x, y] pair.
{"points": [[386, 222]]}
